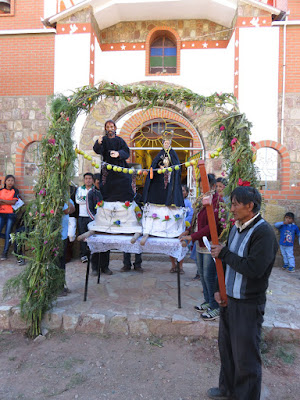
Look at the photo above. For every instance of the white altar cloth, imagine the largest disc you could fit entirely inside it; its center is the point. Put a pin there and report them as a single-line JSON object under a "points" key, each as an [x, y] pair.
{"points": [[171, 247]]}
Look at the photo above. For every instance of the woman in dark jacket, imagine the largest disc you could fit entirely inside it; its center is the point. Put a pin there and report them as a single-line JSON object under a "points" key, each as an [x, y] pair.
{"points": [[209, 309]]}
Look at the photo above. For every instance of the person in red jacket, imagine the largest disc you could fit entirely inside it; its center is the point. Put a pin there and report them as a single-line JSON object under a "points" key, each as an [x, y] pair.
{"points": [[8, 197], [209, 309]]}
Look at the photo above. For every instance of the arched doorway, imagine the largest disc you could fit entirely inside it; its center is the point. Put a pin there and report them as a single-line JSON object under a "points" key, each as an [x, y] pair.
{"points": [[146, 143]]}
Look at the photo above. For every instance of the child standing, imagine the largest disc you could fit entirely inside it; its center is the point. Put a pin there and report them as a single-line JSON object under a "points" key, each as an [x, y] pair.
{"points": [[288, 229]]}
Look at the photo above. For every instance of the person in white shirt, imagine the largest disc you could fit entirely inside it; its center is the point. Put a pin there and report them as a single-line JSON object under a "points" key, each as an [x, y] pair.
{"points": [[84, 217]]}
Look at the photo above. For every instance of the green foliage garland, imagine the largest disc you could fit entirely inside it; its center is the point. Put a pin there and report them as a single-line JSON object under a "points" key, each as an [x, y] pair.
{"points": [[41, 279]]}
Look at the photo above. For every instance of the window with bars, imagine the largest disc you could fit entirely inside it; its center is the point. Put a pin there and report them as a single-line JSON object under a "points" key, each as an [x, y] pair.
{"points": [[163, 56]]}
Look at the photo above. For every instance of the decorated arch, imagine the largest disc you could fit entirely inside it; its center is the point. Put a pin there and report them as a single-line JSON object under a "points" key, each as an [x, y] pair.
{"points": [[41, 279]]}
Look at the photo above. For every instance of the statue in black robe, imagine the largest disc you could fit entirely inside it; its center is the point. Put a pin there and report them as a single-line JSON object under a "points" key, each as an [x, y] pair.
{"points": [[164, 188], [114, 186]]}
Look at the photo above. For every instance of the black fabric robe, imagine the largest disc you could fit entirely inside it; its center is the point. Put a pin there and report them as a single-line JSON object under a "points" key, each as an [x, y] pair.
{"points": [[155, 191], [114, 186]]}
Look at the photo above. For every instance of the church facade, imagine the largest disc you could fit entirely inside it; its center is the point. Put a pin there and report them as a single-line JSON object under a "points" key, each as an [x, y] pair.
{"points": [[247, 47]]}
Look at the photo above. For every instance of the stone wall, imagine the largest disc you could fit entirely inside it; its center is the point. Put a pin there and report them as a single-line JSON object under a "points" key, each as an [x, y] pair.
{"points": [[20, 117], [291, 135], [192, 29]]}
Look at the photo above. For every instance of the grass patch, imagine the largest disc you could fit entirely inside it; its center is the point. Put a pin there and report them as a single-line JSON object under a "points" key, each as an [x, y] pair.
{"points": [[285, 354]]}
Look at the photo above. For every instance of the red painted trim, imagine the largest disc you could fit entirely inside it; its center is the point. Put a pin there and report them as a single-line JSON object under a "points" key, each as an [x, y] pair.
{"points": [[73, 29], [126, 46], [254, 22], [236, 62], [92, 59], [185, 45], [204, 44]]}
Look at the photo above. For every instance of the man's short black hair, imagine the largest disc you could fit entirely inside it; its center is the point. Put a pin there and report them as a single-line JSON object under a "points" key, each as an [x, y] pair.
{"points": [[111, 121], [88, 174], [290, 214], [97, 177], [222, 180], [246, 195], [211, 179]]}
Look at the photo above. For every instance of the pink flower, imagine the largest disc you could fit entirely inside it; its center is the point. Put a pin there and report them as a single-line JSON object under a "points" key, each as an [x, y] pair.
{"points": [[46, 241], [69, 99], [222, 128], [238, 160], [223, 220], [42, 215], [223, 210], [83, 104], [223, 173], [232, 143], [32, 248], [42, 192], [52, 211], [68, 119], [51, 141], [253, 144]]}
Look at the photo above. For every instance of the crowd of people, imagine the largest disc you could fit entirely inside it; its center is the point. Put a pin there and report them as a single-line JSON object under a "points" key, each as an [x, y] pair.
{"points": [[248, 255]]}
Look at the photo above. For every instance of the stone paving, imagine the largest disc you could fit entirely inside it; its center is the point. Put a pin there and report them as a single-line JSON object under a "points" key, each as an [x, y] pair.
{"points": [[146, 303]]}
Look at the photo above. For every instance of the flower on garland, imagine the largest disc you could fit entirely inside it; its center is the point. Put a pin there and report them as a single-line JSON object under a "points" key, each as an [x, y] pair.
{"points": [[233, 142], [223, 213], [187, 224], [167, 218], [253, 144], [154, 216], [118, 222], [139, 216], [177, 217], [243, 183], [100, 204], [222, 128], [51, 141], [42, 192], [126, 204], [52, 211]]}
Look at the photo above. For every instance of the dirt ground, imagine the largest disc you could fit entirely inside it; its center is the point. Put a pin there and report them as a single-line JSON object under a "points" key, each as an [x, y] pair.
{"points": [[93, 367]]}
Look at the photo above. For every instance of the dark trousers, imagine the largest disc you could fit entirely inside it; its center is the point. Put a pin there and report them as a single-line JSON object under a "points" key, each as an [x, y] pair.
{"points": [[127, 260], [101, 262], [239, 340], [7, 219], [82, 228]]}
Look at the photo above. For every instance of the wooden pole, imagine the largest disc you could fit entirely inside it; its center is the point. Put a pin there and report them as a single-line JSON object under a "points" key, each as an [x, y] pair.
{"points": [[213, 230]]}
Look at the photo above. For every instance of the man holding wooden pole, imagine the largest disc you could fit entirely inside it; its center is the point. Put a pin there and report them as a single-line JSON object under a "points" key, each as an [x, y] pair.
{"points": [[248, 258]]}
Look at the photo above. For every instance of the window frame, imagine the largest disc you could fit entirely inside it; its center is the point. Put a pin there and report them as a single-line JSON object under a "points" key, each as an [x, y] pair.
{"points": [[12, 10], [153, 35]]}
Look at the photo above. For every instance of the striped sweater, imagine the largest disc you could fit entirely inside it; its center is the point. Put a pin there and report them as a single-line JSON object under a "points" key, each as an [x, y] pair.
{"points": [[249, 257]]}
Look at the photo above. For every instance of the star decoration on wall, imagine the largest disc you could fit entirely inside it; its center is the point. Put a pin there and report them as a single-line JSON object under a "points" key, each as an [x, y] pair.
{"points": [[123, 47]]}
